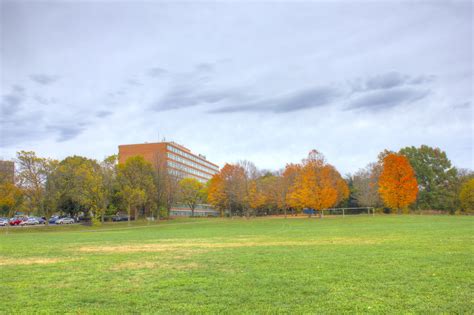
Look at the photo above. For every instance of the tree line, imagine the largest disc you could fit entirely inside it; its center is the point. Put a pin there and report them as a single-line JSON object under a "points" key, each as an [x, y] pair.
{"points": [[409, 180], [241, 189], [78, 185], [441, 186]]}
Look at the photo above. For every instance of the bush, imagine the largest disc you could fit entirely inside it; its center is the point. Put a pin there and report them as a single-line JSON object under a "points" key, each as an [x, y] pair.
{"points": [[96, 221], [163, 213]]}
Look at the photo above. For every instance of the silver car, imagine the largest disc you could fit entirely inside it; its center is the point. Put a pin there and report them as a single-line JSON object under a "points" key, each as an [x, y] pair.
{"points": [[3, 221], [30, 221], [65, 221]]}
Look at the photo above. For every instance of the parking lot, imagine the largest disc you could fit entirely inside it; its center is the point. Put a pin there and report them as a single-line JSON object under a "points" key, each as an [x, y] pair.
{"points": [[32, 221], [56, 220]]}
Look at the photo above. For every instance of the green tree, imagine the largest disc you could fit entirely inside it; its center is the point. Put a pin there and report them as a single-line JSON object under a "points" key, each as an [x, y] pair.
{"points": [[136, 182], [133, 197], [191, 192], [33, 171], [11, 198], [77, 186], [109, 176], [435, 175], [7, 172], [466, 196], [463, 176]]}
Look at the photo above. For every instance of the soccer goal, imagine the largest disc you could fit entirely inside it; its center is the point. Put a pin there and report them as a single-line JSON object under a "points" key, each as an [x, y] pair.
{"points": [[349, 211]]}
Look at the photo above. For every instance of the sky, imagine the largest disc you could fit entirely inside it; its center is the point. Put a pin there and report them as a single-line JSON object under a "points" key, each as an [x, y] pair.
{"points": [[259, 81]]}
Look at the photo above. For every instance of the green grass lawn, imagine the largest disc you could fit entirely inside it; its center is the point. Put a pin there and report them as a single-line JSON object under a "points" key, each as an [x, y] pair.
{"points": [[419, 264]]}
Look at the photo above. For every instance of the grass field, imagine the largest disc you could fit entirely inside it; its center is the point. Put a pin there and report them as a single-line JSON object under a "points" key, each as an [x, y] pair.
{"points": [[420, 264]]}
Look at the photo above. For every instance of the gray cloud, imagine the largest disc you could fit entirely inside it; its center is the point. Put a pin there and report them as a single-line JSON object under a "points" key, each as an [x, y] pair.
{"points": [[41, 100], [44, 79], [11, 103], [31, 126], [390, 80], [421, 79], [462, 106], [204, 67], [384, 99], [21, 126], [188, 96], [19, 123], [18, 89], [376, 92], [156, 72], [44, 100], [299, 100], [66, 132], [16, 124], [103, 113], [133, 82], [386, 81], [118, 92], [280, 48], [14, 134]]}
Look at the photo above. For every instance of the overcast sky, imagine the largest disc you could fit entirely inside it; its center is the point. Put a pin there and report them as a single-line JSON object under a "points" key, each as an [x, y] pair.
{"points": [[266, 82]]}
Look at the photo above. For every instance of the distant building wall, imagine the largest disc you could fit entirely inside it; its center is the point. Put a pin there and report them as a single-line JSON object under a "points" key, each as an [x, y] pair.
{"points": [[178, 160], [149, 151], [199, 211]]}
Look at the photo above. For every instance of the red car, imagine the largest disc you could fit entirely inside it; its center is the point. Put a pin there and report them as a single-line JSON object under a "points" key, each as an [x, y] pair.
{"points": [[16, 221]]}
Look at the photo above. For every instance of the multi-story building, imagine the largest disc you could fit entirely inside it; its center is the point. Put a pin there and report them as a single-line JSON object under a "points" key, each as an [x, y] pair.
{"points": [[177, 159], [7, 171]]}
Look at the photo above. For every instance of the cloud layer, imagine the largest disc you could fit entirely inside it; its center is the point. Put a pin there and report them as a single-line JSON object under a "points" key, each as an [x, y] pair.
{"points": [[261, 81]]}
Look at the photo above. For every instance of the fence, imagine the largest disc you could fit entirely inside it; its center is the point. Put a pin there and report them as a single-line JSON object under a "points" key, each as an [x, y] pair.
{"points": [[349, 211]]}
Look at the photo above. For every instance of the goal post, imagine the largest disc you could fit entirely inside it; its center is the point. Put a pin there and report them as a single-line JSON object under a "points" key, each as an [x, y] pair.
{"points": [[349, 211]]}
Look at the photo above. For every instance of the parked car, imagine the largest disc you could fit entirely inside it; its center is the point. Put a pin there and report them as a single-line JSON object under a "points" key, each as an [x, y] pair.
{"points": [[41, 220], [53, 219], [3, 221], [16, 221], [29, 221], [117, 218], [65, 221]]}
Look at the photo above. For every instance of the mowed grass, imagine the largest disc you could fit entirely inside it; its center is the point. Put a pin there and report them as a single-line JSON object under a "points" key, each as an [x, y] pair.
{"points": [[418, 264]]}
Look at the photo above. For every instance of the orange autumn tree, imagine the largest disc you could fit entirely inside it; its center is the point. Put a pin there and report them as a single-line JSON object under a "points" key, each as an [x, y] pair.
{"points": [[397, 183], [270, 186], [318, 185], [341, 186], [227, 189], [256, 197], [216, 193], [289, 190]]}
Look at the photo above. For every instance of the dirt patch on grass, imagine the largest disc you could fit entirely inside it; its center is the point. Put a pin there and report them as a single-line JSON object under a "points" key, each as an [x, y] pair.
{"points": [[184, 251], [199, 247], [153, 265], [31, 261]]}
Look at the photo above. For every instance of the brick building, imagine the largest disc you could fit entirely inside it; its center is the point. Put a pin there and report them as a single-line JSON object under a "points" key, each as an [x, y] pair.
{"points": [[177, 159]]}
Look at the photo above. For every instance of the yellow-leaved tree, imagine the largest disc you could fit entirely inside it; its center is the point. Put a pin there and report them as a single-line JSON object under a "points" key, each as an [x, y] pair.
{"points": [[191, 193], [318, 185], [466, 196]]}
